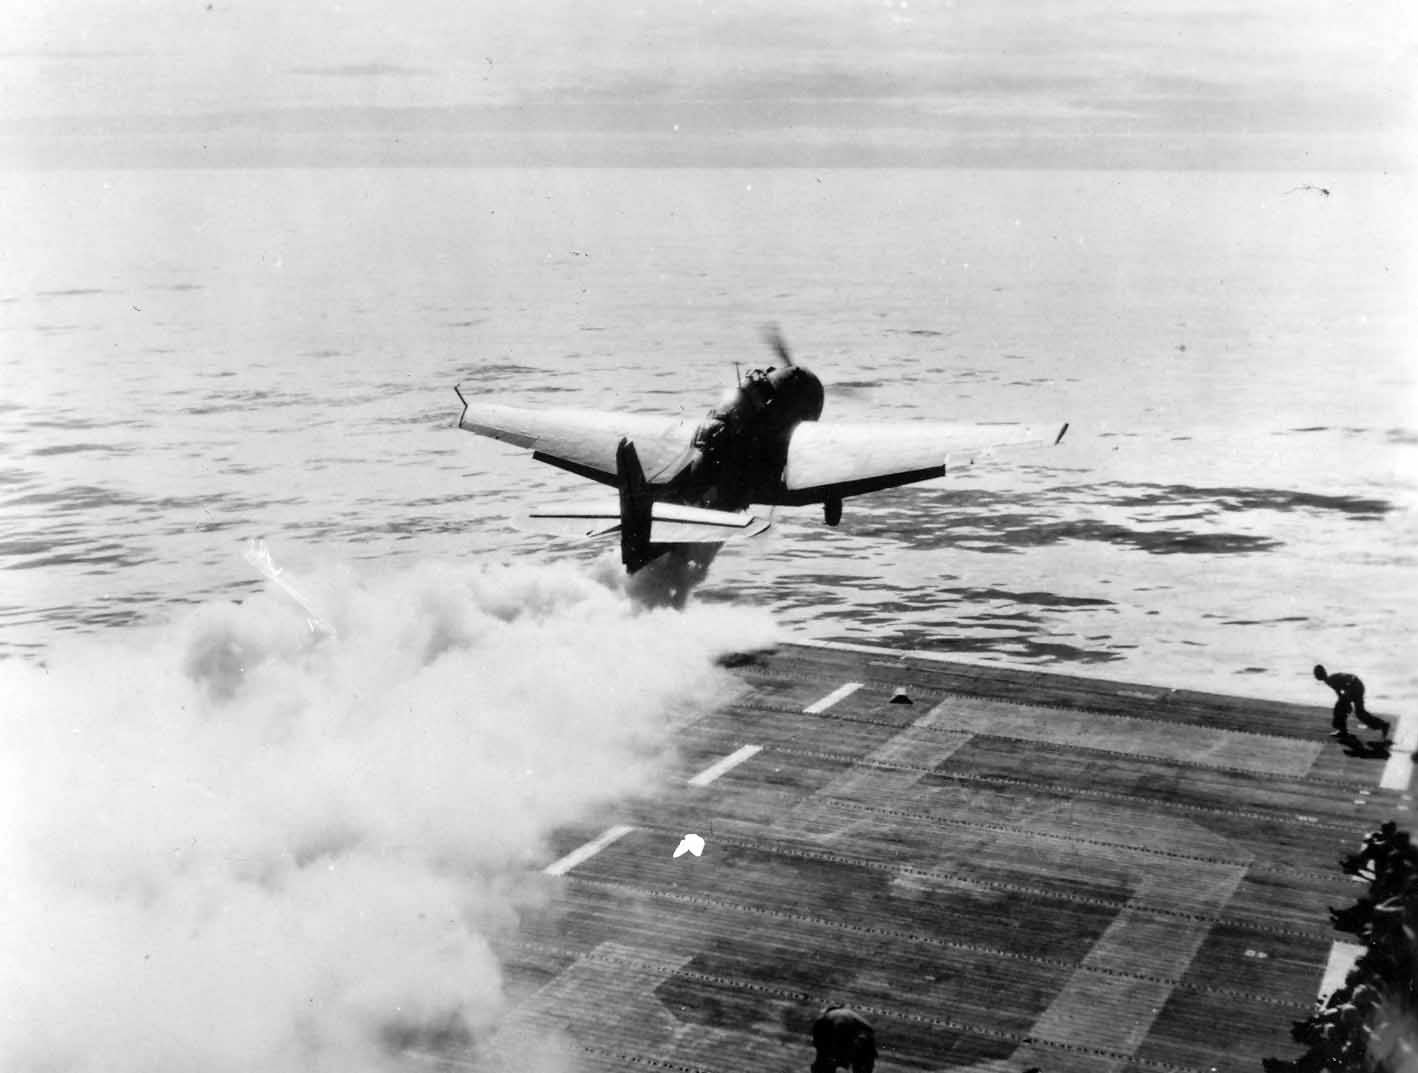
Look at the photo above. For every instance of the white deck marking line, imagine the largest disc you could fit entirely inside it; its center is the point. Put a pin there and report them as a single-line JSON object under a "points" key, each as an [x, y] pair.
{"points": [[1342, 957], [1398, 772], [840, 693], [728, 763], [589, 850]]}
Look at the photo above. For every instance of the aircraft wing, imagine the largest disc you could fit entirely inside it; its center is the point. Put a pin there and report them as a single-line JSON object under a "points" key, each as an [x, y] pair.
{"points": [[827, 461], [585, 441]]}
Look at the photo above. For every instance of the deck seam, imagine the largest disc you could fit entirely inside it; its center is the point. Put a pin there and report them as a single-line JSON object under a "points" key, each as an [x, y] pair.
{"points": [[642, 1060], [1018, 1038], [951, 665], [845, 805], [1348, 785], [1043, 893], [948, 821], [1078, 901], [1142, 712], [1063, 790], [1176, 982]]}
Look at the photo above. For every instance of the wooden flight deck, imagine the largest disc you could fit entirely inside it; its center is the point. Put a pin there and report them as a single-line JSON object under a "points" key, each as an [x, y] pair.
{"points": [[1016, 869]]}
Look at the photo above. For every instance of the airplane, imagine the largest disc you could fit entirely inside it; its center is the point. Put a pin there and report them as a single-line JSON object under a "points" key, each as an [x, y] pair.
{"points": [[686, 487]]}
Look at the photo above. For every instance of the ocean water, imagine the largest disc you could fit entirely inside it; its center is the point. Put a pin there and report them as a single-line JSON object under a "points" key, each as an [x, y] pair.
{"points": [[191, 359], [231, 843]]}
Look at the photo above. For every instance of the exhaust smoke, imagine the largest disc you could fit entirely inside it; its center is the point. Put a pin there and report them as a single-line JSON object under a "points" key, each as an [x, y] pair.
{"points": [[233, 843]]}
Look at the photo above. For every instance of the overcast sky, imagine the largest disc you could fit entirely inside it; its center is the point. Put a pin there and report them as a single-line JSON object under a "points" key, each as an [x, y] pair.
{"points": [[1094, 83]]}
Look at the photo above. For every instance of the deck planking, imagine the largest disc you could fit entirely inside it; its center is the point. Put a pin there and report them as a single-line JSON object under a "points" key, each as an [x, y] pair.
{"points": [[1018, 868]]}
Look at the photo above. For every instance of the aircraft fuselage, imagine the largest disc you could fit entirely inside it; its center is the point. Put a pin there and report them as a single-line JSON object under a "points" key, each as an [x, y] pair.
{"points": [[742, 445]]}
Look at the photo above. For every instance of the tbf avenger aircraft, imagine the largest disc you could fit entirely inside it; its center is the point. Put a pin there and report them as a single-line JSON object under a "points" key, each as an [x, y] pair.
{"points": [[687, 487]]}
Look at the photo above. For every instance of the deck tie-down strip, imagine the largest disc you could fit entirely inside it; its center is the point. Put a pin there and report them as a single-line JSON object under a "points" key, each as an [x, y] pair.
{"points": [[1347, 784], [1283, 816], [944, 692], [728, 905], [1310, 822], [1253, 864], [843, 805], [676, 969], [973, 882]]}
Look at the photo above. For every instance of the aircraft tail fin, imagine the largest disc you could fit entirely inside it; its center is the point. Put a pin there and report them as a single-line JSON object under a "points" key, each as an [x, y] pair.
{"points": [[636, 507], [647, 528]]}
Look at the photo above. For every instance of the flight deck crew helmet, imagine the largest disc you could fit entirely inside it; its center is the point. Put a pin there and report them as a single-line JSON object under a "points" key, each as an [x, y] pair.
{"points": [[1319, 672]]}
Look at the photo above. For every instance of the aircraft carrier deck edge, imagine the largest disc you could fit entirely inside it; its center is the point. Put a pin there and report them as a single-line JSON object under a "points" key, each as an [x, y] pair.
{"points": [[1015, 869]]}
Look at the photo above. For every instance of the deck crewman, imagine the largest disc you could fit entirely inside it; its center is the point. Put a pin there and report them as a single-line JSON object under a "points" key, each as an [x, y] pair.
{"points": [[1351, 698], [844, 1039]]}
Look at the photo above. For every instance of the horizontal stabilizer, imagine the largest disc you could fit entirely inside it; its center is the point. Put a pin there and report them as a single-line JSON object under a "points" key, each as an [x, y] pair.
{"points": [[597, 518], [671, 523]]}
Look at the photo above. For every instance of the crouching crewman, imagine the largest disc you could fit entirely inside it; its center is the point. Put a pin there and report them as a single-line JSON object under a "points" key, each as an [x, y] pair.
{"points": [[844, 1039]]}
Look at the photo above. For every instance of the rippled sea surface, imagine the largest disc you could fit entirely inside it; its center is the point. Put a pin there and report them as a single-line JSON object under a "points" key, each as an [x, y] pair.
{"points": [[191, 359]]}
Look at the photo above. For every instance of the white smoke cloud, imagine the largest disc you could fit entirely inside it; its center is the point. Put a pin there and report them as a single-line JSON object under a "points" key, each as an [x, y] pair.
{"points": [[232, 845]]}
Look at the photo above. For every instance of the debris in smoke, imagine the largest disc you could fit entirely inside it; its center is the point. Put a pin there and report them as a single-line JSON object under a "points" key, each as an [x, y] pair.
{"points": [[259, 556], [668, 581]]}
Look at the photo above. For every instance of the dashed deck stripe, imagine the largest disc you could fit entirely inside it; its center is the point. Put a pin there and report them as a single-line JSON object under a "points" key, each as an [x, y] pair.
{"points": [[589, 850], [728, 763], [838, 694]]}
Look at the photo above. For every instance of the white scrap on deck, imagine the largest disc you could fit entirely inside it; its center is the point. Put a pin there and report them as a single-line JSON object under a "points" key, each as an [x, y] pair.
{"points": [[690, 844]]}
